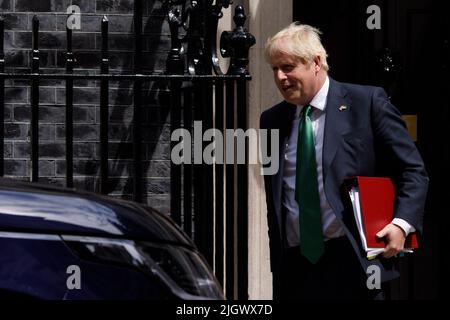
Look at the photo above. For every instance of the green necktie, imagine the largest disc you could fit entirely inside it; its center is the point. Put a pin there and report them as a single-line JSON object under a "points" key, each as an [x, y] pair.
{"points": [[307, 191]]}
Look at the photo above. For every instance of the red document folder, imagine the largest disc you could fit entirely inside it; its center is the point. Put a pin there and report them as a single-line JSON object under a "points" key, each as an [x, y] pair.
{"points": [[376, 205]]}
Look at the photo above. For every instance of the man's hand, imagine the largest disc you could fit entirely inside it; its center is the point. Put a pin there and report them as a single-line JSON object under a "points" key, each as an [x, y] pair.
{"points": [[395, 237]]}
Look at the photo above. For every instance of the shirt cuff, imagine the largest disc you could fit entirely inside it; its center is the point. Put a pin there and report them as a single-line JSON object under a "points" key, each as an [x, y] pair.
{"points": [[407, 228]]}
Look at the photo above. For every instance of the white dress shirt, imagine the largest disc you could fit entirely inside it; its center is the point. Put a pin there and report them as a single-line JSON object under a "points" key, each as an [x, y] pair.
{"points": [[330, 225]]}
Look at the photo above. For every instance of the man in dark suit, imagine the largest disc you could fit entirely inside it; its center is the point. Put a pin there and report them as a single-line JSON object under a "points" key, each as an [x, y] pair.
{"points": [[315, 249]]}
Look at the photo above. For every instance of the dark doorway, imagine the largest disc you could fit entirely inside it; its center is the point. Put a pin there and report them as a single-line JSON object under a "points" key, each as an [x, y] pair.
{"points": [[414, 42]]}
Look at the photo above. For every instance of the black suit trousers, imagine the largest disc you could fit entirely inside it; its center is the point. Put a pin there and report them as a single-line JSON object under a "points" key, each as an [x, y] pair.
{"points": [[338, 275]]}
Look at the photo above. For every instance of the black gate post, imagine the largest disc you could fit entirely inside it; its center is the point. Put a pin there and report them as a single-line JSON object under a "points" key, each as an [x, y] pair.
{"points": [[205, 218], [35, 102], [137, 135], [2, 97], [104, 112], [69, 111], [174, 66]]}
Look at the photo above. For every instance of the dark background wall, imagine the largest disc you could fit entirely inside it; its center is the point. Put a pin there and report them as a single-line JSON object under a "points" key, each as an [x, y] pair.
{"points": [[18, 16]]}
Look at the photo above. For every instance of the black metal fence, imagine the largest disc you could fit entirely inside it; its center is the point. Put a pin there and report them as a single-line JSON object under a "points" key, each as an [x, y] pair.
{"points": [[208, 201]]}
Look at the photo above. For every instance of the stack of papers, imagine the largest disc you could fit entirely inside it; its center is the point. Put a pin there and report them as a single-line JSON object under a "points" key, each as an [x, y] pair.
{"points": [[372, 200]]}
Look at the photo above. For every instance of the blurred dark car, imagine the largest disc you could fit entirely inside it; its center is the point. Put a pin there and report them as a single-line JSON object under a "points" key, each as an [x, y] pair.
{"points": [[56, 243]]}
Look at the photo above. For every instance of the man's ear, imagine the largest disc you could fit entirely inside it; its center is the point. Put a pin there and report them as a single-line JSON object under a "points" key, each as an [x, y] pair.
{"points": [[317, 64]]}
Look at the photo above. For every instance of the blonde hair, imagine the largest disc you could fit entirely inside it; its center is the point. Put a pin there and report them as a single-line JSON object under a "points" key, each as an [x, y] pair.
{"points": [[303, 43]]}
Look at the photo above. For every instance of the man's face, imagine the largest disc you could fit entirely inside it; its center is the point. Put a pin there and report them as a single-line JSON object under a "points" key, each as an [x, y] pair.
{"points": [[298, 82]]}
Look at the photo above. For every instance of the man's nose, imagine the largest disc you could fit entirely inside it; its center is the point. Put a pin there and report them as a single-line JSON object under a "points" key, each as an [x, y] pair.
{"points": [[280, 75]]}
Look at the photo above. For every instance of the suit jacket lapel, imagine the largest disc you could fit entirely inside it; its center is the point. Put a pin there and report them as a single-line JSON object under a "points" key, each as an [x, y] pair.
{"points": [[337, 123]]}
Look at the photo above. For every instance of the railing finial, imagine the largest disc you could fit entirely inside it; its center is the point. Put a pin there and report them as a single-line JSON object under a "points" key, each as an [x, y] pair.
{"points": [[236, 44]]}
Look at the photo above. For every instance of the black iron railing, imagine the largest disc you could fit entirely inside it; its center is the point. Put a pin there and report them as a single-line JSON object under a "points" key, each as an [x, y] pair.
{"points": [[208, 201]]}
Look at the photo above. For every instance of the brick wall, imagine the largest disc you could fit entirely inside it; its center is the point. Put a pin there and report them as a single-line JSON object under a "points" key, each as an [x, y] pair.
{"points": [[18, 16]]}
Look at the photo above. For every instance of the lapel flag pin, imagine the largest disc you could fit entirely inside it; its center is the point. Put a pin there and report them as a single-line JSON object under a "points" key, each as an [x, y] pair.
{"points": [[343, 108]]}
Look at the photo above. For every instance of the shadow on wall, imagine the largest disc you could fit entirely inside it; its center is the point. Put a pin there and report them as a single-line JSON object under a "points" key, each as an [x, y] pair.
{"points": [[155, 131]]}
